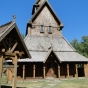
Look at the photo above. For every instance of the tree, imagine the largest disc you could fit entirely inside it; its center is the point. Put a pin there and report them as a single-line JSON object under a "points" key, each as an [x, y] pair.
{"points": [[81, 46], [75, 43]]}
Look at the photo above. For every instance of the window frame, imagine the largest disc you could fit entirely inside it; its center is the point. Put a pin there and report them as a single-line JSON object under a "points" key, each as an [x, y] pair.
{"points": [[50, 29], [42, 29]]}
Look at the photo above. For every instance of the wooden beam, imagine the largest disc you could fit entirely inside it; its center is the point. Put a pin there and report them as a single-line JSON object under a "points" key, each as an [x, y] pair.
{"points": [[1, 61], [9, 54], [68, 70], [76, 71], [59, 71], [21, 53], [14, 46], [7, 73], [14, 79], [23, 72], [17, 52], [34, 71], [44, 71]]}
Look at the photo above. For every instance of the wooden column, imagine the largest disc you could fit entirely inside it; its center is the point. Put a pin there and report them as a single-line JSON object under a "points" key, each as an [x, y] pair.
{"points": [[23, 72], [7, 75], [59, 71], [14, 79], [34, 71], [85, 69], [44, 71], [76, 71], [1, 60], [67, 70]]}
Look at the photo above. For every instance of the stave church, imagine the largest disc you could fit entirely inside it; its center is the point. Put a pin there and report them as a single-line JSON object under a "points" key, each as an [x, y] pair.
{"points": [[51, 54]]}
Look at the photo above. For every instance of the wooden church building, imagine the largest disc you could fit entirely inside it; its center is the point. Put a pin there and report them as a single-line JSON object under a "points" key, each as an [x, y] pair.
{"points": [[52, 55]]}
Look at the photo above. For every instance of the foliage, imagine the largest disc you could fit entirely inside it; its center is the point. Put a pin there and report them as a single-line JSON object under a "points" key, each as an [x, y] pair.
{"points": [[81, 46]]}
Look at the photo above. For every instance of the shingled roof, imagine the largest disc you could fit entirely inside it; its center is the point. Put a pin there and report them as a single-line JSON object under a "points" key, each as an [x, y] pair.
{"points": [[11, 28], [39, 49], [37, 43], [4, 28], [63, 57], [45, 3]]}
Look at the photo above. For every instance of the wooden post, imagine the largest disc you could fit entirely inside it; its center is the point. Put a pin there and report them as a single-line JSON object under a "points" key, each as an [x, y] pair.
{"points": [[76, 70], [23, 72], [44, 71], [1, 60], [68, 70], [34, 71], [59, 71], [14, 80], [85, 69], [7, 75]]}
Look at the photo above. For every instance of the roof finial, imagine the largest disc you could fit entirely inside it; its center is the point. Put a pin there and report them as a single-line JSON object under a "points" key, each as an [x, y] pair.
{"points": [[14, 18]]}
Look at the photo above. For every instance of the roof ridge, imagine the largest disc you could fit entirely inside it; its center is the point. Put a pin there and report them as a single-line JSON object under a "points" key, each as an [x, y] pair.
{"points": [[6, 24], [7, 28], [30, 21]]}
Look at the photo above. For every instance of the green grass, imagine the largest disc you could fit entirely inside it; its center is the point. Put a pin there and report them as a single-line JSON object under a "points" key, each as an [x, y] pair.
{"points": [[52, 83], [4, 80]]}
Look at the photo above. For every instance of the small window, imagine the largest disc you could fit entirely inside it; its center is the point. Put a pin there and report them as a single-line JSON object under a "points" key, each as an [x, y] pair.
{"points": [[42, 29], [50, 30]]}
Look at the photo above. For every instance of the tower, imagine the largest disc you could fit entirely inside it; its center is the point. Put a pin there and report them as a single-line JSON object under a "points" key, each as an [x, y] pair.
{"points": [[44, 21]]}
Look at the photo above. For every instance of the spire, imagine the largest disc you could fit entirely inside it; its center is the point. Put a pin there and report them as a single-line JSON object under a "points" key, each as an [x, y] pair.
{"points": [[37, 5]]}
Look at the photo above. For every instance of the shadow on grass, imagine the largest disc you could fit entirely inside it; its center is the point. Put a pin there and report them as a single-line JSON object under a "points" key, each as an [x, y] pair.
{"points": [[10, 87]]}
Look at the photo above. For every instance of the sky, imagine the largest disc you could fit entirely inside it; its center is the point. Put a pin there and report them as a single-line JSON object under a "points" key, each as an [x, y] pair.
{"points": [[72, 13]]}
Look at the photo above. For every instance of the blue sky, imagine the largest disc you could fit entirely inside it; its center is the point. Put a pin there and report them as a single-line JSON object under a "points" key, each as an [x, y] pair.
{"points": [[72, 13]]}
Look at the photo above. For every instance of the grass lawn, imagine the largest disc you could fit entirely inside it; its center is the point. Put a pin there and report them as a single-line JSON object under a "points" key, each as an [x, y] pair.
{"points": [[51, 83]]}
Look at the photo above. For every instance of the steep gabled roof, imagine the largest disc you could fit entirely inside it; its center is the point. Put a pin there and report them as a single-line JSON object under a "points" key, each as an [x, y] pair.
{"points": [[62, 49], [48, 54], [37, 1], [37, 43], [4, 27], [45, 3], [61, 57], [11, 28], [71, 57]]}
